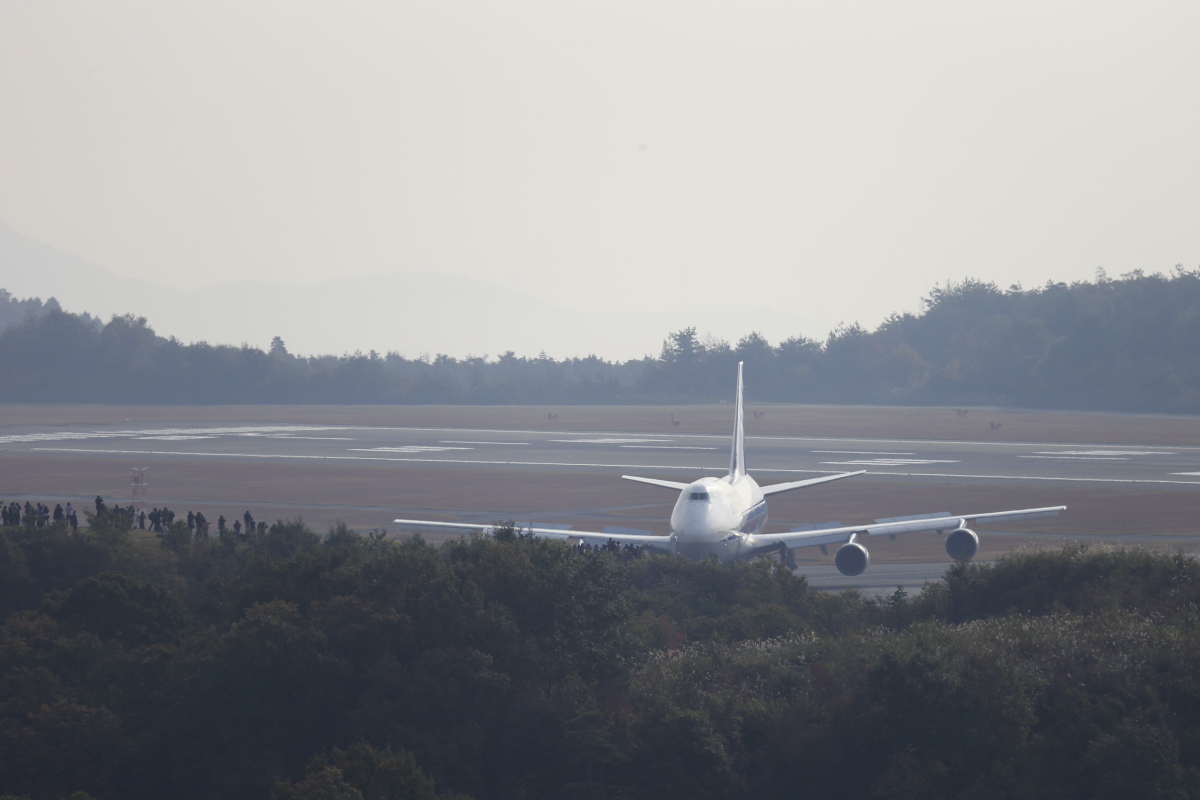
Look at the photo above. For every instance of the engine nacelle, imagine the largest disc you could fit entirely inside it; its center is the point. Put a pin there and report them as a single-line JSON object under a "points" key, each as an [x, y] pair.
{"points": [[962, 544], [852, 559]]}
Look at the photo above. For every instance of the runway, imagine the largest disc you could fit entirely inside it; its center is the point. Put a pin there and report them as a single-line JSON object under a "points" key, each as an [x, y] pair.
{"points": [[665, 454], [327, 471]]}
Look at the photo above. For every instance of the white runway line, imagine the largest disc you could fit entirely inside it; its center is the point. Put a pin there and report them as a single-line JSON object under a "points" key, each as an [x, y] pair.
{"points": [[173, 438], [859, 453], [409, 448], [242, 430], [890, 462], [1077, 458], [512, 444], [1104, 453], [716, 470], [609, 441], [665, 447], [289, 437]]}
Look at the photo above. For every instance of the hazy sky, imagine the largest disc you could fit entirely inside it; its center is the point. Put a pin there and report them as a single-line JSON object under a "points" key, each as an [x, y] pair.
{"points": [[823, 161]]}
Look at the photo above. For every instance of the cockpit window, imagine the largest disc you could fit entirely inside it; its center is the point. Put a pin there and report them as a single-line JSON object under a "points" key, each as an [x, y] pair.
{"points": [[702, 496]]}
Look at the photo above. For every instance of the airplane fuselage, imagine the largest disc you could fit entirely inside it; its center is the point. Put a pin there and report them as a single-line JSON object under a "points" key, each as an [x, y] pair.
{"points": [[713, 516]]}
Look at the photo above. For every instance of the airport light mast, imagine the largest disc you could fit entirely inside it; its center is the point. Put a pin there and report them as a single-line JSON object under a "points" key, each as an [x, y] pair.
{"points": [[139, 488]]}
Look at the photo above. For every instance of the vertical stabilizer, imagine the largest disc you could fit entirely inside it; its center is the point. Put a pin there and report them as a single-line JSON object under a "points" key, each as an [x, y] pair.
{"points": [[737, 459]]}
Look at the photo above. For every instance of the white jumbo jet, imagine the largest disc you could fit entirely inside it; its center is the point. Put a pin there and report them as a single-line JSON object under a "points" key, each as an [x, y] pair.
{"points": [[722, 517]]}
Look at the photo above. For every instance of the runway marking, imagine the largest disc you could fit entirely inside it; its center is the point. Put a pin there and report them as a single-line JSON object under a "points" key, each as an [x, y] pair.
{"points": [[65, 435], [891, 462], [290, 437], [242, 430], [513, 444], [174, 438], [715, 469], [1185, 473], [861, 453], [1105, 453], [411, 448], [1097, 455], [1077, 458], [608, 441], [52, 437], [665, 447]]}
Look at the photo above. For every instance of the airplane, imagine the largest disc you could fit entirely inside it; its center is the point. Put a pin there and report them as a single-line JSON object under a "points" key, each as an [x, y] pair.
{"points": [[723, 518]]}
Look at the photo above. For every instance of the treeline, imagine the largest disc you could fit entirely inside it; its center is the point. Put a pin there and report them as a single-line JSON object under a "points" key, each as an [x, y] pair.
{"points": [[295, 666], [14, 311], [1129, 344]]}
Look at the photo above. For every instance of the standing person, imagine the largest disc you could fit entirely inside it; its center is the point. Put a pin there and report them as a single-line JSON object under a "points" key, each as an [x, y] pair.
{"points": [[99, 504], [74, 520], [221, 524], [191, 522], [58, 512], [70, 511]]}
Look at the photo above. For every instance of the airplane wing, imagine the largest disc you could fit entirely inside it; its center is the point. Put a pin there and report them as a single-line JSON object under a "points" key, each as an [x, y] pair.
{"points": [[787, 487], [891, 527], [599, 538]]}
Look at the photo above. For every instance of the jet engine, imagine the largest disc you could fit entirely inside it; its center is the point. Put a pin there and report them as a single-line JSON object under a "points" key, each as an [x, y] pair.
{"points": [[962, 544], [852, 559]]}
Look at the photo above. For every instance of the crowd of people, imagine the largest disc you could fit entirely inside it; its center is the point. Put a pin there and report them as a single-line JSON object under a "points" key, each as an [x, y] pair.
{"points": [[37, 516], [157, 520], [623, 550]]}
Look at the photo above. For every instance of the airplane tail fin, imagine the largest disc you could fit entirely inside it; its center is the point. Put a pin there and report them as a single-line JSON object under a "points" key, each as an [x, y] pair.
{"points": [[737, 459]]}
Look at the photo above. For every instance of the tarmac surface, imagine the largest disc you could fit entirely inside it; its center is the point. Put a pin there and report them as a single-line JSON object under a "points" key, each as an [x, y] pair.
{"points": [[333, 466], [1017, 463]]}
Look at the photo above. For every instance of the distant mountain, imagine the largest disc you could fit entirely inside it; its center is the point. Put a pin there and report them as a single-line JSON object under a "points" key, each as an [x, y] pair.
{"points": [[29, 268], [412, 313]]}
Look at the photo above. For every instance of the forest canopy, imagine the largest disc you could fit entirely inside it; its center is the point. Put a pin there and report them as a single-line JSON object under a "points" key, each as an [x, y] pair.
{"points": [[296, 666], [1127, 344]]}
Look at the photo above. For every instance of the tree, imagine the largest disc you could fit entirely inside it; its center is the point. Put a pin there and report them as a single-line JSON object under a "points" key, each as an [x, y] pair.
{"points": [[362, 772]]}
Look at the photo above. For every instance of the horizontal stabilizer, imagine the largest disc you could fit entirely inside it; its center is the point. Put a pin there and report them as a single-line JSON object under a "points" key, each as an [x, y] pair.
{"points": [[787, 487], [679, 487]]}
